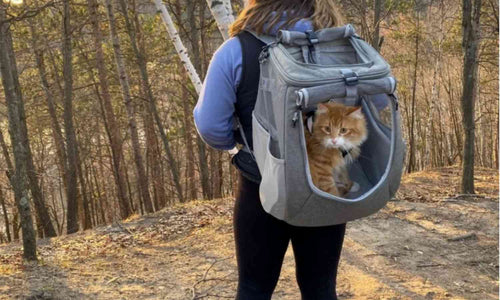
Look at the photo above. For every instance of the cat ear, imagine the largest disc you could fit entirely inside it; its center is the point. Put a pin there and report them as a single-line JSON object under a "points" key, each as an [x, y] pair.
{"points": [[322, 109], [355, 112]]}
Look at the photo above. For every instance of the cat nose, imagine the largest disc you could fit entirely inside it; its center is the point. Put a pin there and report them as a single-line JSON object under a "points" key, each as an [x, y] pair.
{"points": [[335, 140]]}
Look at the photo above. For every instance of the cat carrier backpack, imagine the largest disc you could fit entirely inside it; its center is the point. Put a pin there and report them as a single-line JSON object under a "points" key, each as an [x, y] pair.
{"points": [[298, 71]]}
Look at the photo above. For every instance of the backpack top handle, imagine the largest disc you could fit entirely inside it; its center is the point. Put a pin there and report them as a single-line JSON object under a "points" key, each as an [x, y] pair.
{"points": [[297, 38], [309, 97]]}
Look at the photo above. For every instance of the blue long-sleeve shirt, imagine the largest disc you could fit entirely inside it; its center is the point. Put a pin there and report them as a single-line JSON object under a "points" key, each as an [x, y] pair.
{"points": [[213, 114]]}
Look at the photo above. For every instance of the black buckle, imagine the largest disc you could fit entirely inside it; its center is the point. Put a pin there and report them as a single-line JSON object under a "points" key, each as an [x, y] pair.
{"points": [[312, 37], [351, 78]]}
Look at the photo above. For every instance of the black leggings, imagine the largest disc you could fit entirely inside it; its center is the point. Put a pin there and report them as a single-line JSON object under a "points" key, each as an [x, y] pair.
{"points": [[261, 243]]}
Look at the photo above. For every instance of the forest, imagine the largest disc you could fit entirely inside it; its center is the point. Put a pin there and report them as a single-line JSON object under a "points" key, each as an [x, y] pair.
{"points": [[96, 104], [107, 188]]}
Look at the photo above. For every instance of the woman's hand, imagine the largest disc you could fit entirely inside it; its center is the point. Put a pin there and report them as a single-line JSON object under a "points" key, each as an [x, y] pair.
{"points": [[233, 151]]}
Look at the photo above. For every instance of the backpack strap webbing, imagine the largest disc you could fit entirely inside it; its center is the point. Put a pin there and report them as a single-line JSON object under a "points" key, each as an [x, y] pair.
{"points": [[247, 90], [246, 147]]}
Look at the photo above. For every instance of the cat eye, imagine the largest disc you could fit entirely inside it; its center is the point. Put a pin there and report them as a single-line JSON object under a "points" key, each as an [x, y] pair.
{"points": [[343, 130], [326, 129]]}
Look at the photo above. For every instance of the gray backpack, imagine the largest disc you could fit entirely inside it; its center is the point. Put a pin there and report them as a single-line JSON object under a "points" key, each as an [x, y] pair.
{"points": [[298, 71]]}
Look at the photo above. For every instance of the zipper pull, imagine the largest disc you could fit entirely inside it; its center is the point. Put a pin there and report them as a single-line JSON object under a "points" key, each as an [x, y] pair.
{"points": [[264, 54], [298, 108]]}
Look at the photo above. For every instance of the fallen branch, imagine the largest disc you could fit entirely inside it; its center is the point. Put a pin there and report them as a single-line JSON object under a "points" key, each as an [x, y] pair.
{"points": [[428, 265], [112, 280], [461, 196], [204, 278]]}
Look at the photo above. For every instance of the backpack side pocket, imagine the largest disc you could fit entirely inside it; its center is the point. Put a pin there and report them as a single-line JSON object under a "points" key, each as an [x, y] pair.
{"points": [[272, 188]]}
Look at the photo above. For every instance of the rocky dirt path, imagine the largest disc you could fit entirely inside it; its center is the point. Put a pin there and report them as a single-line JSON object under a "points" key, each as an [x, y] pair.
{"points": [[426, 244]]}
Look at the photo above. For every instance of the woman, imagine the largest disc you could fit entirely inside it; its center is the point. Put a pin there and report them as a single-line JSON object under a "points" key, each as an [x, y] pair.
{"points": [[230, 88]]}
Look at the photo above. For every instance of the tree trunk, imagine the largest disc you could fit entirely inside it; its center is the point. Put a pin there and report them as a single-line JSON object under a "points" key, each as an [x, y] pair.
{"points": [[71, 147], [153, 158], [93, 215], [5, 216], [10, 170], [188, 137], [112, 128], [471, 38], [101, 192], [427, 161], [412, 150], [376, 34], [15, 226], [87, 218], [223, 14], [179, 46], [497, 123], [206, 187], [15, 110], [142, 179], [218, 175]]}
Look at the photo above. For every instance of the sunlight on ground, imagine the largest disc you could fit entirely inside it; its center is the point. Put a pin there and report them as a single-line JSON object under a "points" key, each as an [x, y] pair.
{"points": [[14, 2], [7, 269], [420, 219], [351, 278], [413, 283], [132, 218], [444, 183]]}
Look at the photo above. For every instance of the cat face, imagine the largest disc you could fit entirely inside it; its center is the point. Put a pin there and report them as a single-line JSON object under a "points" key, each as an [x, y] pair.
{"points": [[339, 126]]}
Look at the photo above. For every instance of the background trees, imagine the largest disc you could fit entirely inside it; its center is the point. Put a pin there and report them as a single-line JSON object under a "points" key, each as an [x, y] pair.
{"points": [[108, 102]]}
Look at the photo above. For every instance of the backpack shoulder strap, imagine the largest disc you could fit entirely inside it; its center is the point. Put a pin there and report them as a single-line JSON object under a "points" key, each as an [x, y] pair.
{"points": [[251, 47], [266, 39]]}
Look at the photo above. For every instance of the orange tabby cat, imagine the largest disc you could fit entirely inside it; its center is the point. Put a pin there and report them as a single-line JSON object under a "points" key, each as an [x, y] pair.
{"points": [[336, 130]]}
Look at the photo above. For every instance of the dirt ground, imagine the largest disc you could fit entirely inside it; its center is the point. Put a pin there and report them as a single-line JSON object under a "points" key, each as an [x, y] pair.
{"points": [[425, 244]]}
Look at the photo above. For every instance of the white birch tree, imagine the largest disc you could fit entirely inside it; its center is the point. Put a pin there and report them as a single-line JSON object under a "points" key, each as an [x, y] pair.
{"points": [[179, 46], [223, 14]]}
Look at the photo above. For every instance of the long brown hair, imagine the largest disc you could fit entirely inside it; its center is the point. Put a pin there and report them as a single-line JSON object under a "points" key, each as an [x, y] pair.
{"points": [[262, 15]]}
